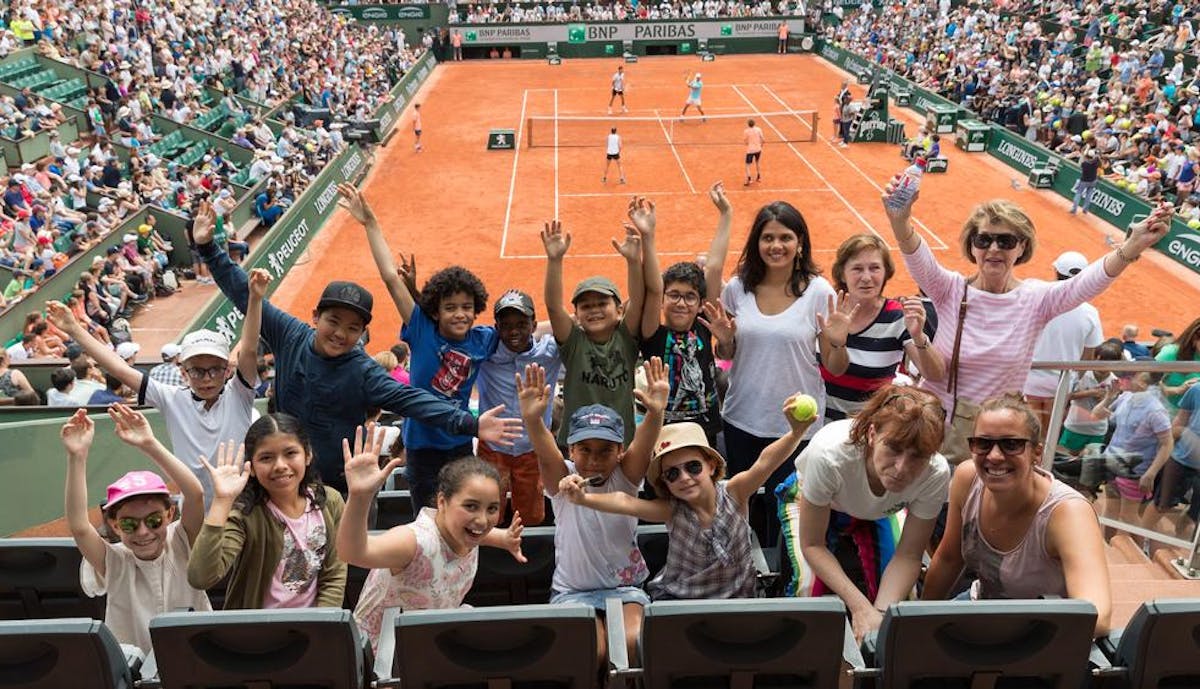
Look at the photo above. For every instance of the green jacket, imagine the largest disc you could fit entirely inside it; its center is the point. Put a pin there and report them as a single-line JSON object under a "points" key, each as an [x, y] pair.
{"points": [[251, 544]]}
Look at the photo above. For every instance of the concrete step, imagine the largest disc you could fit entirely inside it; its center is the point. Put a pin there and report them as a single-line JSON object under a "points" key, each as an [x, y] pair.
{"points": [[1128, 596], [1122, 548]]}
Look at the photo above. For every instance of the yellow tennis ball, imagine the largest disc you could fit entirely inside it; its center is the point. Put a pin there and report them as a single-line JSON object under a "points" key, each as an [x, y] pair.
{"points": [[1193, 223], [805, 408], [1109, 119], [1087, 134]]}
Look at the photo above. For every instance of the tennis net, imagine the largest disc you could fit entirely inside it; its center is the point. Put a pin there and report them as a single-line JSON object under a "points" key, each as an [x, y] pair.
{"points": [[785, 126]]}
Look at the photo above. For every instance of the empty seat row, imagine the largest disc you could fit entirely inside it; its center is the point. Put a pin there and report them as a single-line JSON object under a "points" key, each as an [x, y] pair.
{"points": [[796, 643]]}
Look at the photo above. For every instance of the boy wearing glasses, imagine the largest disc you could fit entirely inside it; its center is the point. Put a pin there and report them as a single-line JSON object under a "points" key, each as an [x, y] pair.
{"points": [[215, 406], [672, 328], [145, 574]]}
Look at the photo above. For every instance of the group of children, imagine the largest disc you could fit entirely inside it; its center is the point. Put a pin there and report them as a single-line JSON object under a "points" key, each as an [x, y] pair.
{"points": [[263, 499]]}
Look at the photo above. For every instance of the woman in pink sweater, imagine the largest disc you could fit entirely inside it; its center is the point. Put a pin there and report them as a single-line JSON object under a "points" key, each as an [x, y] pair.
{"points": [[1004, 313]]}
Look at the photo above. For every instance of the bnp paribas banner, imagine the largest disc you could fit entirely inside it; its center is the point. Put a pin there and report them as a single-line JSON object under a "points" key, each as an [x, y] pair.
{"points": [[511, 34]]}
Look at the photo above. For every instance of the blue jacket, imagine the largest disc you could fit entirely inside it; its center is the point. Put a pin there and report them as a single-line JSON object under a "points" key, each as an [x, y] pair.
{"points": [[330, 396]]}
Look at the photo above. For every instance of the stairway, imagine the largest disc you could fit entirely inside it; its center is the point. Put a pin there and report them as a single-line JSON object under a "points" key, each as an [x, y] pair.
{"points": [[1136, 578]]}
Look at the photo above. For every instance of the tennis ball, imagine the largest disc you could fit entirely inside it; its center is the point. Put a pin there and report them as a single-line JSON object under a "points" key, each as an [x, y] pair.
{"points": [[1109, 119], [1057, 124], [1087, 134], [805, 408], [1193, 223]]}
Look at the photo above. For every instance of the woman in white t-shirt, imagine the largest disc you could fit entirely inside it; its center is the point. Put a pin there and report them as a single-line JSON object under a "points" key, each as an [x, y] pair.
{"points": [[770, 333], [840, 508]]}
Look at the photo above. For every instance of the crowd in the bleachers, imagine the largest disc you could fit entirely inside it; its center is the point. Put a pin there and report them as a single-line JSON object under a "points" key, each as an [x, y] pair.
{"points": [[1110, 80], [534, 12]]}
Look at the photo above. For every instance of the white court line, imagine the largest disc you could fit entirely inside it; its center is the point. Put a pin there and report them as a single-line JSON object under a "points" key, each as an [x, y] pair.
{"points": [[679, 160], [814, 169], [556, 153], [512, 182], [652, 194], [933, 237], [614, 254], [626, 115]]}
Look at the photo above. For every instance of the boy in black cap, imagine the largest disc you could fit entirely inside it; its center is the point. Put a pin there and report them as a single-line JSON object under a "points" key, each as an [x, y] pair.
{"points": [[600, 352], [323, 378]]}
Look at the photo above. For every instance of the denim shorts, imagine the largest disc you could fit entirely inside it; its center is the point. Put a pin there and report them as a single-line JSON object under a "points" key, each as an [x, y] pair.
{"points": [[597, 598]]}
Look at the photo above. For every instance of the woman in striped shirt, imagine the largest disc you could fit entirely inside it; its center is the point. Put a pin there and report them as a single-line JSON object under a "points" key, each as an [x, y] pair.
{"points": [[867, 335]]}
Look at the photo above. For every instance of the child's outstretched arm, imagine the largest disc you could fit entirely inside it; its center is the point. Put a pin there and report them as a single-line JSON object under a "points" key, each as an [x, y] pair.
{"points": [[77, 434], [247, 363], [60, 315], [631, 250], [718, 250], [642, 215], [657, 510], [134, 430], [534, 395], [658, 388], [397, 547], [354, 202], [556, 243], [743, 485], [223, 535]]}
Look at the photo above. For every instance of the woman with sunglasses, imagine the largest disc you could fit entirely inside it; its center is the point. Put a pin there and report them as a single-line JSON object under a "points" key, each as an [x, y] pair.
{"points": [[839, 507], [1021, 532], [1001, 314]]}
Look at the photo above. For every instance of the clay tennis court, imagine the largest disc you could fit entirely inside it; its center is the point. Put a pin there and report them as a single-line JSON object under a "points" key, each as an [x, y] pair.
{"points": [[457, 203]]}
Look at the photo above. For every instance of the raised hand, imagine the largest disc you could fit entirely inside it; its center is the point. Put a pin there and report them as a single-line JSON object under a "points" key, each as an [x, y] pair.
{"points": [[60, 316], [361, 463], [203, 224], [788, 405], [353, 201], [641, 214], [658, 387], [408, 273], [555, 240], [718, 322], [1147, 231], [498, 430], [914, 317], [230, 474], [836, 325], [131, 426], [77, 434], [571, 486], [512, 538], [717, 193], [533, 393], [259, 280], [631, 247]]}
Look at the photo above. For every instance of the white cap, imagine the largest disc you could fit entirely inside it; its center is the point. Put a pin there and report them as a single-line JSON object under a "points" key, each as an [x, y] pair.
{"points": [[204, 342], [129, 238], [1069, 263], [170, 350], [128, 350]]}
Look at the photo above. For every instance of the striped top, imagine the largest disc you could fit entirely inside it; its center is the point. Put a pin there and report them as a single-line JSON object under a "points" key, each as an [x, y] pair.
{"points": [[1000, 329], [874, 353]]}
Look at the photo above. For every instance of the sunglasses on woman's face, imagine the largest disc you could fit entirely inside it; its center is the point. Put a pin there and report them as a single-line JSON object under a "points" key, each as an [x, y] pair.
{"points": [[1008, 446], [693, 467], [983, 240], [152, 521]]}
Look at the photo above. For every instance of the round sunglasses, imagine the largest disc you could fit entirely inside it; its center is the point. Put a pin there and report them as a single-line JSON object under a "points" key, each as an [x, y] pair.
{"points": [[152, 521], [693, 467]]}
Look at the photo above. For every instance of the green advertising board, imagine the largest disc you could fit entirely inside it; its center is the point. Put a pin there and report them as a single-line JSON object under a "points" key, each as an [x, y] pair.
{"points": [[384, 13]]}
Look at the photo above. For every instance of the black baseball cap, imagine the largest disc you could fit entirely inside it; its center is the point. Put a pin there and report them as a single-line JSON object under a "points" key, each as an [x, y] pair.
{"points": [[514, 299], [347, 295]]}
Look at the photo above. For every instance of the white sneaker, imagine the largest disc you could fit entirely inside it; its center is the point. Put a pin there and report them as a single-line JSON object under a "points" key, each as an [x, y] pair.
{"points": [[610, 111], [624, 109]]}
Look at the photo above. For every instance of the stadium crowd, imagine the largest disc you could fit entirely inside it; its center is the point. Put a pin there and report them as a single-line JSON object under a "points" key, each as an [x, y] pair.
{"points": [[1101, 83], [496, 13]]}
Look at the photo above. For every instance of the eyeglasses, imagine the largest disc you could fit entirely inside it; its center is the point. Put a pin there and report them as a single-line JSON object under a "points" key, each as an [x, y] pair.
{"points": [[983, 240], [201, 373], [693, 467], [1008, 446], [690, 298], [152, 521]]}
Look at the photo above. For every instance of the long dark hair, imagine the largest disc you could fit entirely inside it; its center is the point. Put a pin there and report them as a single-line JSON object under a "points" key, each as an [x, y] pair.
{"points": [[254, 494], [1187, 341], [752, 270]]}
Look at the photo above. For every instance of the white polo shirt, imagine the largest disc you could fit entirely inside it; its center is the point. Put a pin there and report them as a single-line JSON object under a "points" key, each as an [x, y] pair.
{"points": [[197, 431]]}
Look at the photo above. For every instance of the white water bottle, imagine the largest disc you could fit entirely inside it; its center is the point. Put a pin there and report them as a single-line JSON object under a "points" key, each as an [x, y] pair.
{"points": [[910, 182]]}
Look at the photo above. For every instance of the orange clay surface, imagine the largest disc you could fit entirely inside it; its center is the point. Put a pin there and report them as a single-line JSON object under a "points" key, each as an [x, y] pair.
{"points": [[457, 203]]}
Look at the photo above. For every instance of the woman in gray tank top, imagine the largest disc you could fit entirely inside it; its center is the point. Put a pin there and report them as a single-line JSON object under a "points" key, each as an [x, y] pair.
{"points": [[1017, 530]]}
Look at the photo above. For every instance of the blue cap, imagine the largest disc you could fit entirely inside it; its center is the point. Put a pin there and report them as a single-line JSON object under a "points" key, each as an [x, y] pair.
{"points": [[596, 422]]}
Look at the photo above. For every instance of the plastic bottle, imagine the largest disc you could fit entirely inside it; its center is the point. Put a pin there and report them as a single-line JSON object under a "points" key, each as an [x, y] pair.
{"points": [[910, 182]]}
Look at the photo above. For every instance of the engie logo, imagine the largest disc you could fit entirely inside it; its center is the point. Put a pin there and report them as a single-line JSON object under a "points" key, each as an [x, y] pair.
{"points": [[1186, 248], [375, 13], [410, 12]]}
